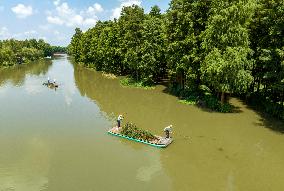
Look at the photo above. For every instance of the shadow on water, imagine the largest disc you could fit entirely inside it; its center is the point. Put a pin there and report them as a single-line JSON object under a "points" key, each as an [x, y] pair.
{"points": [[238, 106], [267, 121], [17, 74], [235, 109], [201, 104]]}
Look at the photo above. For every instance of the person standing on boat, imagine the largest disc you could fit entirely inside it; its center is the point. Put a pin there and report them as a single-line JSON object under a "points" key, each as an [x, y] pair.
{"points": [[168, 130], [48, 80], [119, 119]]}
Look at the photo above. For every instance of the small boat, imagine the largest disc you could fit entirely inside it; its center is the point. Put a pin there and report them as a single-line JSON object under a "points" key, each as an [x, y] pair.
{"points": [[161, 142], [50, 84]]}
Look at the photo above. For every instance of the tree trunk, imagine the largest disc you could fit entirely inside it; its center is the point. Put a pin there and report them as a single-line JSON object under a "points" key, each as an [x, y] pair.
{"points": [[198, 79], [253, 85], [282, 99], [223, 97], [136, 73], [258, 85], [218, 95], [181, 79]]}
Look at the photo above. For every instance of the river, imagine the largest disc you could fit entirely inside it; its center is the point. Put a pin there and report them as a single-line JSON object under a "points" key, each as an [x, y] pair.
{"points": [[56, 140]]}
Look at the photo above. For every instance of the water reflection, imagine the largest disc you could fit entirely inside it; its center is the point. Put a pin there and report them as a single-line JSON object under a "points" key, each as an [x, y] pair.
{"points": [[16, 75], [137, 105]]}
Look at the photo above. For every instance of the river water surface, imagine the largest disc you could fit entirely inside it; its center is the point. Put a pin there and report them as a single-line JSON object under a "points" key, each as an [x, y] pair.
{"points": [[57, 141]]}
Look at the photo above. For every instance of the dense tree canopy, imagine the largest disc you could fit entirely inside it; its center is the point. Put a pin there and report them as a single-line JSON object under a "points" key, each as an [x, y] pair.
{"points": [[228, 47], [17, 52], [227, 65]]}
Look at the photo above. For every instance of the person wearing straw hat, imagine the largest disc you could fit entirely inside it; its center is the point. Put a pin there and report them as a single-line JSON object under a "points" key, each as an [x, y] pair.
{"points": [[168, 130], [119, 119]]}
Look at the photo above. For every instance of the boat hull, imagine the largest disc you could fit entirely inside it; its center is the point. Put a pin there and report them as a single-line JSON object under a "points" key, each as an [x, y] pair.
{"points": [[169, 141]]}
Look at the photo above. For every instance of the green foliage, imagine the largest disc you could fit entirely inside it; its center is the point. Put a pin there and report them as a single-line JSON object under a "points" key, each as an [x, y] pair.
{"points": [[130, 82], [214, 104], [153, 61], [227, 71], [258, 101], [132, 131], [75, 47], [58, 49], [131, 39], [14, 52], [202, 97], [227, 66], [267, 42], [191, 100]]}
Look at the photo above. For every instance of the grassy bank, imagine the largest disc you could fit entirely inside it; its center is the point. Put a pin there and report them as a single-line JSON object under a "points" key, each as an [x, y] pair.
{"points": [[130, 82], [201, 97], [109, 76]]}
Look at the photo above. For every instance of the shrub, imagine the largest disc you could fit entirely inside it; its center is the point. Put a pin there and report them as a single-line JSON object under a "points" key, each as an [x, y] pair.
{"points": [[214, 104], [202, 97], [130, 82]]}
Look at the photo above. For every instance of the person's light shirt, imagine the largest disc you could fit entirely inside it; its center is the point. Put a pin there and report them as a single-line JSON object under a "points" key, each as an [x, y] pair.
{"points": [[120, 118], [168, 128]]}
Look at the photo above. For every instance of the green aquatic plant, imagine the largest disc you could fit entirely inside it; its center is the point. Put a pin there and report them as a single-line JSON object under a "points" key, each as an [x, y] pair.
{"points": [[130, 130]]}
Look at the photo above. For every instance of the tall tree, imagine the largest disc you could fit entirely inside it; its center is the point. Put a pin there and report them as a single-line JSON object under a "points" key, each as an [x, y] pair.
{"points": [[131, 28], [186, 20], [267, 42], [76, 44], [227, 66], [153, 63]]}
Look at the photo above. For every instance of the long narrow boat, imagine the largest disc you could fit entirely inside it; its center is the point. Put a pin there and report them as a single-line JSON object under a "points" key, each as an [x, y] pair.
{"points": [[162, 143]]}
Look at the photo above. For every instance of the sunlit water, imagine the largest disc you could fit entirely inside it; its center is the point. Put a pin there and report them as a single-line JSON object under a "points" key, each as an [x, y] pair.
{"points": [[57, 140]]}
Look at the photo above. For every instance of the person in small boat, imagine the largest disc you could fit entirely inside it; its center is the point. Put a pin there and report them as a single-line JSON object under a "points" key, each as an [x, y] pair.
{"points": [[54, 81], [119, 119], [48, 80], [168, 130]]}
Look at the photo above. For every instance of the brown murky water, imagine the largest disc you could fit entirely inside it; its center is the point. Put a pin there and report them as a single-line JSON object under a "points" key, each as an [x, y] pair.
{"points": [[57, 140]]}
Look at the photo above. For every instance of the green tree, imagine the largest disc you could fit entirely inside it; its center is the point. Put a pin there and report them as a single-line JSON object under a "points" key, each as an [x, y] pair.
{"points": [[153, 62], [267, 42], [131, 40], [227, 66], [76, 45], [186, 20], [16, 52]]}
